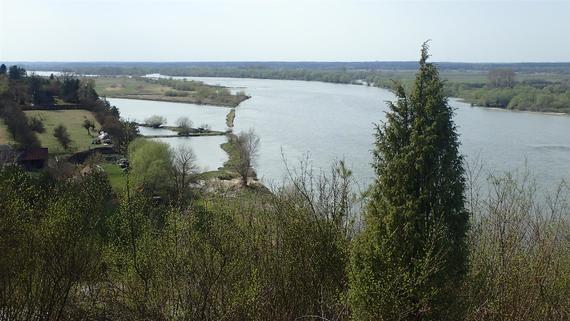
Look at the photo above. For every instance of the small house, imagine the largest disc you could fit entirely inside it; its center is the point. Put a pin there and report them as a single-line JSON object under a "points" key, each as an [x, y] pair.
{"points": [[102, 138], [33, 158]]}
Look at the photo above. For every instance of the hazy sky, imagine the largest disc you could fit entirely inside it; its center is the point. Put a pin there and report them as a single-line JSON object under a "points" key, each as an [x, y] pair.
{"points": [[284, 30]]}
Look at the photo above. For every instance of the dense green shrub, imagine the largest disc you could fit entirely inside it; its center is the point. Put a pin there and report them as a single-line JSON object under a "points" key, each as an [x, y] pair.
{"points": [[151, 166], [50, 240]]}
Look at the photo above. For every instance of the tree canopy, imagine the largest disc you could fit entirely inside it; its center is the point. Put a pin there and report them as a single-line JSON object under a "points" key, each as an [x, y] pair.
{"points": [[151, 164]]}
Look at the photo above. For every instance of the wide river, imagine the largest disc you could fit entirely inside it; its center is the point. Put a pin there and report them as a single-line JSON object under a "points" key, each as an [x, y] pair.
{"points": [[327, 122]]}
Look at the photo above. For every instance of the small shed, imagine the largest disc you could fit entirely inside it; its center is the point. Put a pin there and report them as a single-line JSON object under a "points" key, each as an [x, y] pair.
{"points": [[33, 158]]}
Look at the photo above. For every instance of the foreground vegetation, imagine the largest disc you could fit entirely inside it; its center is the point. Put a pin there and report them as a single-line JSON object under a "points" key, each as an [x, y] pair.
{"points": [[181, 91], [431, 245], [85, 254]]}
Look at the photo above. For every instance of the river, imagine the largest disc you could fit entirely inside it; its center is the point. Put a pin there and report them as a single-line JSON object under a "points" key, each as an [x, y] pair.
{"points": [[327, 122]]}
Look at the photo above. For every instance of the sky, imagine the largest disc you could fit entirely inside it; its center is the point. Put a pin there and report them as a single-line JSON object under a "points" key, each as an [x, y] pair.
{"points": [[283, 30]]}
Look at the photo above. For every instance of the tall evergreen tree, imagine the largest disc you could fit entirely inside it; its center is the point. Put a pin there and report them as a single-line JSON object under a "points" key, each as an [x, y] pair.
{"points": [[411, 257]]}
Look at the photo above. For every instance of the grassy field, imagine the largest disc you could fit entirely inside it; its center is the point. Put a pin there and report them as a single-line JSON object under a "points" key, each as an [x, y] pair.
{"points": [[4, 134], [116, 177], [73, 120]]}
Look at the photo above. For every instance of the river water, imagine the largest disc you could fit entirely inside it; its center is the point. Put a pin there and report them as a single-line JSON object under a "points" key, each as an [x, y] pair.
{"points": [[139, 110], [209, 155], [327, 122]]}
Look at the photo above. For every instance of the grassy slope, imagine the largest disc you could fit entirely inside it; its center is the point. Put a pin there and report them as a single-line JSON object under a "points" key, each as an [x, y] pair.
{"points": [[116, 177], [72, 119], [4, 134]]}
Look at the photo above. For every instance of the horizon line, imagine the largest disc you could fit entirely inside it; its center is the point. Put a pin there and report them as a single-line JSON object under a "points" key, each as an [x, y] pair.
{"points": [[276, 61]]}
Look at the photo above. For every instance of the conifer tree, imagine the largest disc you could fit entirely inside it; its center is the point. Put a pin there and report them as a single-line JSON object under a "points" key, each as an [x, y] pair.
{"points": [[410, 259]]}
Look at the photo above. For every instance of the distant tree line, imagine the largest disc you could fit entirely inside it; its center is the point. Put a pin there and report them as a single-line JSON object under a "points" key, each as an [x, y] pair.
{"points": [[512, 94], [332, 76], [142, 68], [502, 90]]}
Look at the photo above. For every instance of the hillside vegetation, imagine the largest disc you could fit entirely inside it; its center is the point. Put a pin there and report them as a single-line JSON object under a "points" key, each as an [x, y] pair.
{"points": [[62, 113], [73, 120]]}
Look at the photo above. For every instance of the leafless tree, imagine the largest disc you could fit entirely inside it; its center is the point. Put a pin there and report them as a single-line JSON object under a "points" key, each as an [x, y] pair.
{"points": [[155, 121], [184, 124], [184, 162], [248, 146]]}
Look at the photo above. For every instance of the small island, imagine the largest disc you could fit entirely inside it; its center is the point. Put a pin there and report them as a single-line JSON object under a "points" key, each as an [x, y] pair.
{"points": [[171, 90]]}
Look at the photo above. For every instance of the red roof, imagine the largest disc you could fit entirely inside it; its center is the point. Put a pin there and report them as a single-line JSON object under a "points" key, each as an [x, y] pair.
{"points": [[32, 154]]}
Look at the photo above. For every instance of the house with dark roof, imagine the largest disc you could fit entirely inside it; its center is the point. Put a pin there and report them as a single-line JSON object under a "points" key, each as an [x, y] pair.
{"points": [[33, 158], [30, 158]]}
